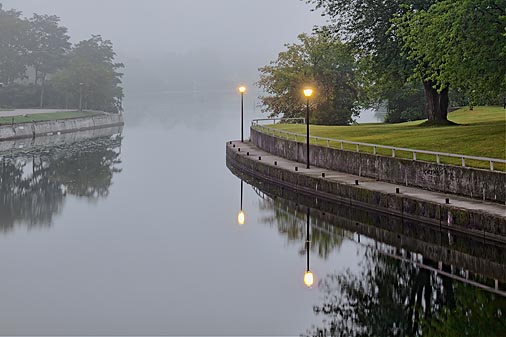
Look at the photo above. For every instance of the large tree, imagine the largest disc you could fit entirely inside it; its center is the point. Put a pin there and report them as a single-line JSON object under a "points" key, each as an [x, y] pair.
{"points": [[14, 49], [91, 70], [367, 25], [461, 44], [320, 61], [49, 47]]}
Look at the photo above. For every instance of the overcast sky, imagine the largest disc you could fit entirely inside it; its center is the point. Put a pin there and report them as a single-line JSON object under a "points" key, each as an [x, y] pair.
{"points": [[231, 28]]}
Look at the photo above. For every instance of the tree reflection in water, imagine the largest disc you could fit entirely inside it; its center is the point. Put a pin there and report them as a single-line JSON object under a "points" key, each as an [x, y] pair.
{"points": [[34, 183], [290, 221], [387, 296], [393, 298]]}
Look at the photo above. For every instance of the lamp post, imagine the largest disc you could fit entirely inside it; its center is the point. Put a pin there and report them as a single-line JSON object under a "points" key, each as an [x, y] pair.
{"points": [[81, 97], [242, 90], [307, 92], [308, 275], [241, 218]]}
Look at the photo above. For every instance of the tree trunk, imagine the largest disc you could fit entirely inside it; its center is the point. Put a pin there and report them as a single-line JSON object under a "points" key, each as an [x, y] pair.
{"points": [[444, 100], [437, 103]]}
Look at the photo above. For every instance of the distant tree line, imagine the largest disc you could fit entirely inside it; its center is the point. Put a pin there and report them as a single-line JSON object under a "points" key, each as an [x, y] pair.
{"points": [[39, 67], [411, 56]]}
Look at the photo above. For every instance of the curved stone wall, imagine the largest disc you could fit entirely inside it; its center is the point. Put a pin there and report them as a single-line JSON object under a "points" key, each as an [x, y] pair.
{"points": [[465, 181]]}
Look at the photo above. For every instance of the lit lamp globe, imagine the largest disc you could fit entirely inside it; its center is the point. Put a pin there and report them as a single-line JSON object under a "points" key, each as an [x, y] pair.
{"points": [[241, 218], [242, 89], [308, 92], [308, 279]]}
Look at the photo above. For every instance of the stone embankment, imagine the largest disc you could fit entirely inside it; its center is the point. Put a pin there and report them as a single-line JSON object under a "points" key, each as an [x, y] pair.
{"points": [[48, 128], [464, 181], [57, 139], [472, 254], [478, 218]]}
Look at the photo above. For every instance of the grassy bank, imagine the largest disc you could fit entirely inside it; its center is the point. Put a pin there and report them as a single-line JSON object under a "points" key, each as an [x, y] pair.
{"points": [[480, 132], [46, 117]]}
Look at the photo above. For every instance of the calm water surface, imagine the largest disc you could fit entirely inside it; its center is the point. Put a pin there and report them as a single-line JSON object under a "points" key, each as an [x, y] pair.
{"points": [[135, 233]]}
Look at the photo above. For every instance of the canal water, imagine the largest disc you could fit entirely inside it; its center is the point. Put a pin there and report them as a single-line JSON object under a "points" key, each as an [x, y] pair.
{"points": [[135, 232]]}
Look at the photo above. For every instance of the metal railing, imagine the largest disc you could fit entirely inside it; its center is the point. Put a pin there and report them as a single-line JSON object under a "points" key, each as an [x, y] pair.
{"points": [[278, 121], [357, 145]]}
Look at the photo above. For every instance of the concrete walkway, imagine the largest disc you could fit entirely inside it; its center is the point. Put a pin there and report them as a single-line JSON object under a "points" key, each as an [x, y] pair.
{"points": [[22, 112], [371, 184]]}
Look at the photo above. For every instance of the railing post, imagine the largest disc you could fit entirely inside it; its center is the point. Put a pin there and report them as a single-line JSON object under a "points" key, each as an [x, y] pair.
{"points": [[491, 165], [393, 153], [358, 149], [463, 162], [328, 143], [414, 155], [438, 159], [342, 146], [374, 150]]}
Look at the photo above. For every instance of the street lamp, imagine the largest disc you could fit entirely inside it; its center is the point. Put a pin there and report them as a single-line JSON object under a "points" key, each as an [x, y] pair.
{"points": [[242, 90], [81, 97], [307, 92], [308, 275], [241, 218]]}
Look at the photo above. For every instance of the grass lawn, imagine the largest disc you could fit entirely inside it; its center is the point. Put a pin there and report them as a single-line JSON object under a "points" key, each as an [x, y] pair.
{"points": [[481, 132], [46, 117]]}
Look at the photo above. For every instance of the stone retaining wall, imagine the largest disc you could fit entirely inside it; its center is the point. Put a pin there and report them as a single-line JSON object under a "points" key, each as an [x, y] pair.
{"points": [[55, 139], [469, 182], [470, 253], [474, 222], [46, 128]]}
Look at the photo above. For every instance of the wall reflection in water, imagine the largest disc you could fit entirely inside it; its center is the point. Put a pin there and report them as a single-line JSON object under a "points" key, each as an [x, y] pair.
{"points": [[34, 182], [396, 290]]}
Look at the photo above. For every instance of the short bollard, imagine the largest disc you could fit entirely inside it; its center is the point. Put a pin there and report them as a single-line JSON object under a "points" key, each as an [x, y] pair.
{"points": [[275, 163], [296, 168], [259, 158], [323, 174], [238, 149], [356, 182], [233, 145], [447, 201], [247, 153], [397, 190]]}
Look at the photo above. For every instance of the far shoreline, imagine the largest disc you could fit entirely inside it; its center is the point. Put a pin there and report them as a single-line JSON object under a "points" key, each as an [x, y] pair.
{"points": [[28, 124]]}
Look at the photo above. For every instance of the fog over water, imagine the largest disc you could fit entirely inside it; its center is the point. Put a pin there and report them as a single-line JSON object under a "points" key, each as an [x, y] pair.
{"points": [[184, 45]]}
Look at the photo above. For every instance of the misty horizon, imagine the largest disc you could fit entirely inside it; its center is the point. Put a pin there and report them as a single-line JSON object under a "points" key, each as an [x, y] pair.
{"points": [[223, 42]]}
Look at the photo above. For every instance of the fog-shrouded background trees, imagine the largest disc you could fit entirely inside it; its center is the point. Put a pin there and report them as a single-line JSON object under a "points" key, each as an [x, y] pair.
{"points": [[39, 67], [416, 58]]}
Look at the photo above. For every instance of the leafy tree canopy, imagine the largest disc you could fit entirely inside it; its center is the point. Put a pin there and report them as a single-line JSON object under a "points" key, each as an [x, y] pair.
{"points": [[14, 32], [458, 43], [91, 68], [319, 61], [64, 73]]}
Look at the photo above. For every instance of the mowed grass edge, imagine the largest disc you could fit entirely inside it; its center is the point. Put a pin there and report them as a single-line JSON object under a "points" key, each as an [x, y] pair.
{"points": [[59, 115], [480, 132]]}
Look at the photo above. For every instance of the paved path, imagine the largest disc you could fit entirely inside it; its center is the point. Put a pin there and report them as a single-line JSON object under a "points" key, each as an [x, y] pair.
{"points": [[371, 184], [21, 112]]}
